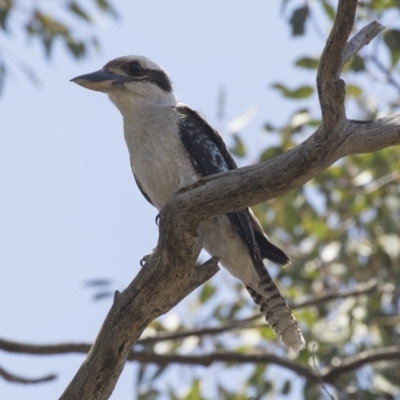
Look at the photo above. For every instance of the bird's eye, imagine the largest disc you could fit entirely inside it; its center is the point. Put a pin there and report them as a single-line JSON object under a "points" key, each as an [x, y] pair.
{"points": [[135, 69]]}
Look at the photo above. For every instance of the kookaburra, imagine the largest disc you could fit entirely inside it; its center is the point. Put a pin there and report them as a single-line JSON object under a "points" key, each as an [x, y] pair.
{"points": [[170, 147]]}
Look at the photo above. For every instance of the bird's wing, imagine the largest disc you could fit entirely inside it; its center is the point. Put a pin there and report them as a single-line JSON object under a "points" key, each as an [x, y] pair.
{"points": [[140, 187], [205, 146], [268, 250], [209, 155]]}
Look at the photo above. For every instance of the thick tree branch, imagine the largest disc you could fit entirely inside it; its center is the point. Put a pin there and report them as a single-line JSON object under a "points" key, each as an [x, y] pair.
{"points": [[169, 274], [136, 307]]}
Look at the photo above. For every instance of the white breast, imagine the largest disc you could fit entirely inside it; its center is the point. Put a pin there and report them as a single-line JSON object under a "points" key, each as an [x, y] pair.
{"points": [[159, 160]]}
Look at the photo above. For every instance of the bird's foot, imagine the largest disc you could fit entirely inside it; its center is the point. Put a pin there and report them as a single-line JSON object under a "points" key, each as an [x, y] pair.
{"points": [[144, 259]]}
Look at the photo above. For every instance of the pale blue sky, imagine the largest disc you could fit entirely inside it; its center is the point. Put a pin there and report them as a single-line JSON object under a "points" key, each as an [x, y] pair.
{"points": [[70, 210]]}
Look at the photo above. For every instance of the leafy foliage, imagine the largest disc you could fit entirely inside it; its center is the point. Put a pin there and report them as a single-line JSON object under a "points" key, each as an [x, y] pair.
{"points": [[300, 93], [60, 26], [298, 20]]}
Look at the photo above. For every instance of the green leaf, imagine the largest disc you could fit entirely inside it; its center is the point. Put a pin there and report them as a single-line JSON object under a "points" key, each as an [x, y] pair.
{"points": [[227, 395], [314, 123], [315, 227], [5, 8], [159, 371], [269, 127], [270, 153], [234, 309], [353, 90], [48, 44], [141, 372], [151, 394], [308, 62], [76, 48], [301, 92], [77, 10], [194, 393], [172, 395], [298, 20], [103, 295], [97, 282], [239, 149], [283, 5], [357, 63], [287, 387], [106, 7], [257, 374], [381, 4], [392, 39], [206, 292], [329, 10]]}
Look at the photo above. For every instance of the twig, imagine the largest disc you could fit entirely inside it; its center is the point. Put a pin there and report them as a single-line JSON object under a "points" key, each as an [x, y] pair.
{"points": [[8, 376], [318, 374], [359, 290], [239, 324], [386, 71], [361, 39], [391, 353], [382, 181]]}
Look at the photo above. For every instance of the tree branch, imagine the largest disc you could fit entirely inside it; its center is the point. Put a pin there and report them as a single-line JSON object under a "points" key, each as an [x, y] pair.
{"points": [[63, 348], [362, 288], [8, 376], [386, 71], [360, 40], [328, 374], [151, 294], [329, 85], [350, 364], [169, 275]]}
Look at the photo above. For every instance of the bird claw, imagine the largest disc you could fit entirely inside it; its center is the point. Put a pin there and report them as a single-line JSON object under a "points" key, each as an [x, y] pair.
{"points": [[157, 219], [143, 261]]}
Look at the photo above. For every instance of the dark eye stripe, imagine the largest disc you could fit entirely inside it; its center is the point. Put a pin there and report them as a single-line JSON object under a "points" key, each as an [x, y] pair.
{"points": [[159, 78], [155, 76]]}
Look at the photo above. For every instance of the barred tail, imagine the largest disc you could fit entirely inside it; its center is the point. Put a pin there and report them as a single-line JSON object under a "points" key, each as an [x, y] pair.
{"points": [[277, 313]]}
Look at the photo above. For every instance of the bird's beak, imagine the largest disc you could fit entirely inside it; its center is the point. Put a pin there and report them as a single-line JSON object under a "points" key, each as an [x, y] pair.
{"points": [[101, 81]]}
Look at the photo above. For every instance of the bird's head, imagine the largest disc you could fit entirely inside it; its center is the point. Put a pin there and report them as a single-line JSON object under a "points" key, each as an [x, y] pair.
{"points": [[131, 81]]}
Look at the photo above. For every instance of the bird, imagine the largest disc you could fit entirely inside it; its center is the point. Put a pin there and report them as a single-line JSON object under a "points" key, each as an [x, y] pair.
{"points": [[171, 146]]}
